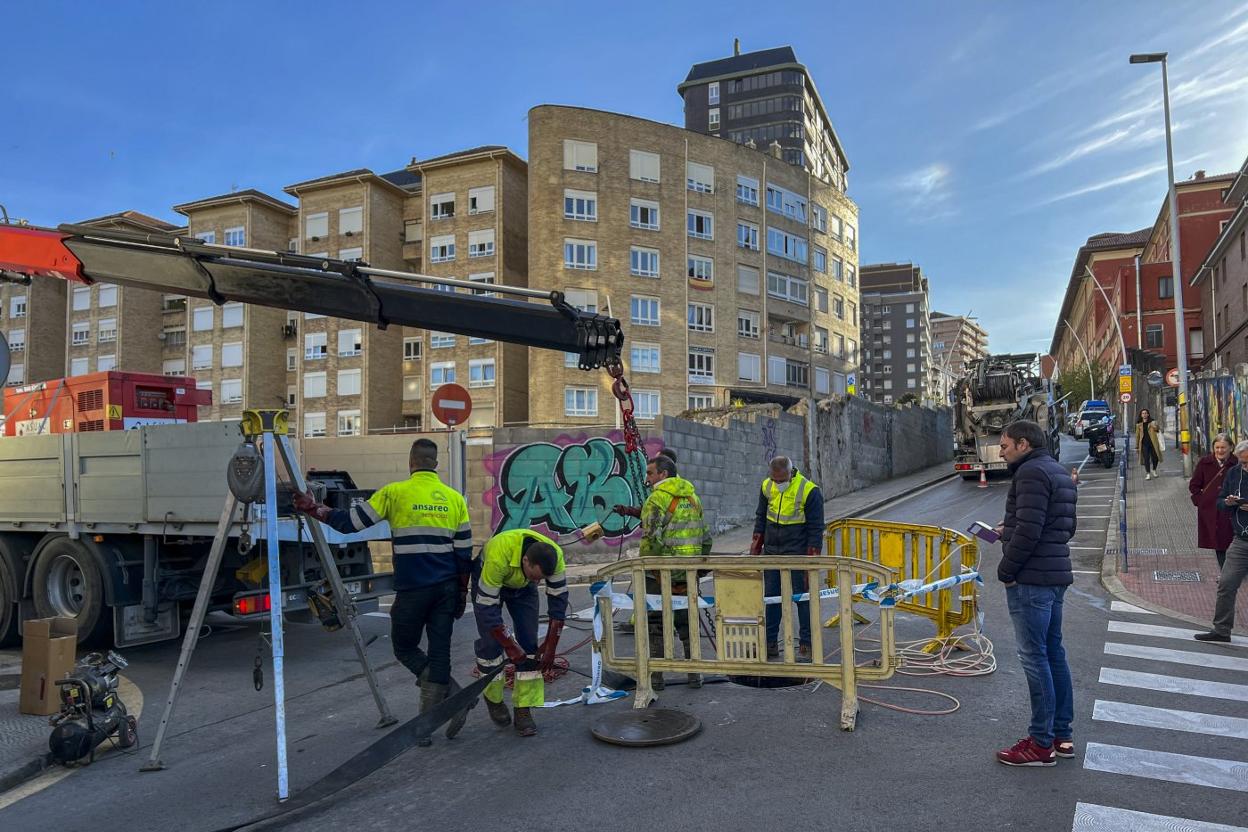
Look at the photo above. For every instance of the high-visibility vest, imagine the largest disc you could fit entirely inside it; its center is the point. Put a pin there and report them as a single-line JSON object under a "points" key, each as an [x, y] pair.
{"points": [[788, 507], [683, 527]]}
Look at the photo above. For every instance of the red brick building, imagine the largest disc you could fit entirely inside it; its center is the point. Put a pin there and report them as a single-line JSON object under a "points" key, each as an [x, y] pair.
{"points": [[1222, 281]]}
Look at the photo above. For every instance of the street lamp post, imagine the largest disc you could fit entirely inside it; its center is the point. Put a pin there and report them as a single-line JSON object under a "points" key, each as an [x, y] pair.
{"points": [[1180, 330], [1113, 313], [1086, 359]]}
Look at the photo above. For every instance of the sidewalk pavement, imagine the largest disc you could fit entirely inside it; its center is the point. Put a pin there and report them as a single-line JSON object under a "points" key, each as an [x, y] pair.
{"points": [[854, 504], [23, 738], [1164, 570]]}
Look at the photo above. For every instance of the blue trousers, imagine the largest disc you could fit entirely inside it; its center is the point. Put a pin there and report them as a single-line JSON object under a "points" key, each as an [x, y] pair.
{"points": [[1036, 612], [771, 586]]}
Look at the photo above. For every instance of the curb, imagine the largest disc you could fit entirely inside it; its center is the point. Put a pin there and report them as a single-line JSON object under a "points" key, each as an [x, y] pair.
{"points": [[1109, 580]]}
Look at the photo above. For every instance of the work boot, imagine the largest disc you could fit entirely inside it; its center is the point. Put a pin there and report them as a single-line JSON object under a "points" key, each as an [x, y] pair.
{"points": [[525, 726], [457, 722], [773, 651], [498, 712], [431, 695], [803, 653]]}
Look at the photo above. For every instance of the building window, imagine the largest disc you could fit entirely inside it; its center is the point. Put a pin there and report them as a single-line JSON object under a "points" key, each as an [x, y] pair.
{"points": [[17, 340], [747, 323], [79, 366], [909, 335], [411, 349], [581, 156], [851, 351], [413, 231], [481, 372], [232, 354], [1165, 287], [910, 353], [701, 225], [701, 401], [231, 389], [838, 228], [851, 237], [348, 423], [108, 296], [644, 358], [316, 226], [201, 357], [886, 354], [821, 299], [823, 384], [700, 178], [853, 312], [747, 280], [350, 221], [411, 388], [821, 260], [712, 121], [787, 287], [481, 243], [231, 315], [81, 334], [643, 262], [749, 367], [796, 374], [701, 366], [787, 203], [210, 237], [442, 248], [314, 385], [647, 404], [236, 237], [292, 396], [701, 317], [350, 254], [788, 246], [292, 360], [105, 363], [441, 340], [313, 424], [17, 306], [580, 254], [315, 345], [838, 307], [747, 235], [643, 214], [82, 298], [909, 323], [580, 205], [486, 279], [1154, 336], [441, 206], [580, 401], [851, 275], [349, 382], [174, 337], [747, 190], [821, 339], [701, 268], [481, 200], [818, 218], [910, 368], [441, 372], [644, 311], [174, 367], [350, 341], [643, 166], [712, 92]]}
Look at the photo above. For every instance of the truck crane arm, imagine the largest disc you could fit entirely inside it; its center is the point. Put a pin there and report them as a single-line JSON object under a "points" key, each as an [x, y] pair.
{"points": [[284, 280]]}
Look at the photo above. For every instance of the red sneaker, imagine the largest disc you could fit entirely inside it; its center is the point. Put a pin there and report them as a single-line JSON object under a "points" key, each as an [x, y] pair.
{"points": [[1026, 752], [1064, 748]]}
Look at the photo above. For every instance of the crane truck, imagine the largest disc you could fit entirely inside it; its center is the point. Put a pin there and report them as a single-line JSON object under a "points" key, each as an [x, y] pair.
{"points": [[113, 528], [993, 392]]}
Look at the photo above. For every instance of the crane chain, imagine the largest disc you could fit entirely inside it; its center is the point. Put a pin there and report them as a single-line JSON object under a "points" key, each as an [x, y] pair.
{"points": [[634, 449]]}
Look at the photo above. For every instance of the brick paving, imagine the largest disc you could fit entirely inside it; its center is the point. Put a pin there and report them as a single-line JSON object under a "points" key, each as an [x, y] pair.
{"points": [[1160, 516]]}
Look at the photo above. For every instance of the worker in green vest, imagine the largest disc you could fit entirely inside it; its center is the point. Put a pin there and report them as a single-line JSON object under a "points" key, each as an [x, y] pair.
{"points": [[672, 525]]}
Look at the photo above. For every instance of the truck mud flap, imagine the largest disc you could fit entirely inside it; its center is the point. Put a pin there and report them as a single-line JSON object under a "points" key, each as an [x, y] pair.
{"points": [[375, 756]]}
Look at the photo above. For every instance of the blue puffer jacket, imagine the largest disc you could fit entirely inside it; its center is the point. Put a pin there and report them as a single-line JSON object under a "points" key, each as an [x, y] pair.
{"points": [[1039, 523]]}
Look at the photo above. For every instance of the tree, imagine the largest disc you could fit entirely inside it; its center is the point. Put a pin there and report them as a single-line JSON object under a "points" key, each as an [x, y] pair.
{"points": [[909, 398], [1077, 384]]}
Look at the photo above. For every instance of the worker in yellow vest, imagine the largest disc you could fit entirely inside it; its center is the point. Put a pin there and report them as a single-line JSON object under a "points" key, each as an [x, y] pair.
{"points": [[788, 521]]}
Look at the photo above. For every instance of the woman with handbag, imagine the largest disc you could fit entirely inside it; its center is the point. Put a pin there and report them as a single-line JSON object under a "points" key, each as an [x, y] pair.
{"points": [[1213, 527], [1148, 441]]}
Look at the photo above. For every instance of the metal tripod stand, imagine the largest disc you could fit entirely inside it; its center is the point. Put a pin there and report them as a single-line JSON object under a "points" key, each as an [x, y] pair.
{"points": [[268, 428]]}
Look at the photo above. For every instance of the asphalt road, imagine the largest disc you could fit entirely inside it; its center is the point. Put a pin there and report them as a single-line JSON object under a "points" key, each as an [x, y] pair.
{"points": [[1169, 737]]}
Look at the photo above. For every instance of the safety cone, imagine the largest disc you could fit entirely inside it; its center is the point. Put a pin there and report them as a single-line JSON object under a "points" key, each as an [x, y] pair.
{"points": [[983, 477]]}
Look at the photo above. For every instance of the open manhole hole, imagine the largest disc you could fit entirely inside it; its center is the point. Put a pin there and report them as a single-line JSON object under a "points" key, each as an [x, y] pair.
{"points": [[769, 681]]}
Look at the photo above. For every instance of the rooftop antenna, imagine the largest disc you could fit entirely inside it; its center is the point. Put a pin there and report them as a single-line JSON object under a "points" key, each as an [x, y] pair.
{"points": [[736, 47]]}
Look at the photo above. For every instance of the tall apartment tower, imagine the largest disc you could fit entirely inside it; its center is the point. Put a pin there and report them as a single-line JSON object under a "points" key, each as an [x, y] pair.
{"points": [[897, 342], [764, 97], [733, 272], [957, 340]]}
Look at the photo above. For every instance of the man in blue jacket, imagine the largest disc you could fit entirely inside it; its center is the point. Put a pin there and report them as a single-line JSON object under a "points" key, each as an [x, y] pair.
{"points": [[1035, 568]]}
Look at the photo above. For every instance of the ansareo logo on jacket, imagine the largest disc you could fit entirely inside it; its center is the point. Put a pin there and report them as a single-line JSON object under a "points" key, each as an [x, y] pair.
{"points": [[439, 502]]}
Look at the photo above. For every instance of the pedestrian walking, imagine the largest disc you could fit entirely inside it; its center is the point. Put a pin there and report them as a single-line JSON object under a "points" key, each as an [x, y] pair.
{"points": [[1213, 526], [1235, 568], [1148, 443], [1035, 569]]}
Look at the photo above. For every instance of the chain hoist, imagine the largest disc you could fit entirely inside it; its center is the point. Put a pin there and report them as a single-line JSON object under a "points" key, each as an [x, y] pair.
{"points": [[634, 449]]}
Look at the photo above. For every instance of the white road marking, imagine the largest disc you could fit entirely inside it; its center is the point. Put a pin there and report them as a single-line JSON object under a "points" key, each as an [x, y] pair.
{"points": [[1170, 719], [1093, 817], [1165, 654], [1165, 765], [1085, 572], [1174, 684], [1162, 632], [1092, 516], [1088, 548], [1123, 606]]}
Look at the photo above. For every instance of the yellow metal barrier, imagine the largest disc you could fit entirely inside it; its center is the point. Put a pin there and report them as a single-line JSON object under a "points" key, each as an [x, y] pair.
{"points": [[736, 585], [914, 552]]}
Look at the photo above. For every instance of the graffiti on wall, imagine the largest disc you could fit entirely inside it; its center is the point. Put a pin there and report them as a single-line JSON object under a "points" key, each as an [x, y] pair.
{"points": [[564, 485], [1217, 407], [769, 441]]}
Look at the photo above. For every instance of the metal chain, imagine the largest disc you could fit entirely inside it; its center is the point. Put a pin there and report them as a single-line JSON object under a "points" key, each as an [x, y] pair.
{"points": [[244, 533], [633, 445]]}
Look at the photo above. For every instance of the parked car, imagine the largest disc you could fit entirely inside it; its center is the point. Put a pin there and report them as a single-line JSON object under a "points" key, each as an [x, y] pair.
{"points": [[1092, 417]]}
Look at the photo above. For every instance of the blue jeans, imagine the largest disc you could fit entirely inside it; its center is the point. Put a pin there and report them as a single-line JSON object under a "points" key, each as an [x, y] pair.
{"points": [[1037, 615], [771, 586]]}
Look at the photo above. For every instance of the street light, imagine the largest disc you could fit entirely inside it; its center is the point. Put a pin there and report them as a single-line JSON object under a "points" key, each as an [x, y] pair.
{"points": [[1086, 359], [1113, 313], [1180, 330]]}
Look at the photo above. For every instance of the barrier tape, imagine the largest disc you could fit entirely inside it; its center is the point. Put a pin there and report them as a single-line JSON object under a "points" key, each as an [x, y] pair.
{"points": [[894, 594], [595, 692], [654, 603]]}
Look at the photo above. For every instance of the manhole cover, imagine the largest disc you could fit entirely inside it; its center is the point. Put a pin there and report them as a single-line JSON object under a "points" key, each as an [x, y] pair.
{"points": [[644, 727], [1176, 576], [768, 681]]}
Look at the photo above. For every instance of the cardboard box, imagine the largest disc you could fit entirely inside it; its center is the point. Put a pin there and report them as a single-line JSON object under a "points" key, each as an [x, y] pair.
{"points": [[49, 646]]}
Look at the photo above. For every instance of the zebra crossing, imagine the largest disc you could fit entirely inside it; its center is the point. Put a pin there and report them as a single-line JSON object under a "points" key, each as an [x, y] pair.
{"points": [[1170, 710]]}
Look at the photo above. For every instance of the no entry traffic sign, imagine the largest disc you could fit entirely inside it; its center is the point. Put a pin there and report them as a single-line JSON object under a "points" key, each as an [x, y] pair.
{"points": [[451, 405]]}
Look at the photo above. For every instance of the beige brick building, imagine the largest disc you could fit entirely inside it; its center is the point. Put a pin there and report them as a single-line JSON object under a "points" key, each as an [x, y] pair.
{"points": [[32, 319], [733, 272]]}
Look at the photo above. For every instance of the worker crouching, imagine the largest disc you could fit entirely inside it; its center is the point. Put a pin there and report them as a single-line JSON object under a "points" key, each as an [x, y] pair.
{"points": [[505, 576]]}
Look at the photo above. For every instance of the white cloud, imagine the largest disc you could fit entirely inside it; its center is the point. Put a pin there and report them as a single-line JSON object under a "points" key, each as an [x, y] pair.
{"points": [[1088, 147], [927, 191], [1121, 179], [1236, 35]]}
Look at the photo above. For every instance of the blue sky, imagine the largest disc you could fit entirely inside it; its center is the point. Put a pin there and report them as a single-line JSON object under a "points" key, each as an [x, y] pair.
{"points": [[987, 141]]}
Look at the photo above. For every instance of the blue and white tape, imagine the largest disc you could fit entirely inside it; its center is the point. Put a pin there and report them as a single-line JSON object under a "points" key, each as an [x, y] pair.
{"points": [[894, 594]]}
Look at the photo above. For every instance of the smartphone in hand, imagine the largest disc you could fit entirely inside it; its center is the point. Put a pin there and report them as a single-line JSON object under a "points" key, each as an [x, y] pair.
{"points": [[984, 532]]}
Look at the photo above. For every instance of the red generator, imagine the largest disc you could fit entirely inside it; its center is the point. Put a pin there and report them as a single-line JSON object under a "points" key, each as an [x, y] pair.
{"points": [[101, 401]]}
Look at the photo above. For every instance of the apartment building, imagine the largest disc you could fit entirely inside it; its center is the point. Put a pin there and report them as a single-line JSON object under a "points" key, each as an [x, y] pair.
{"points": [[733, 272], [237, 351], [32, 320], [1223, 281], [957, 340], [345, 377], [468, 220], [114, 327], [764, 97], [896, 360]]}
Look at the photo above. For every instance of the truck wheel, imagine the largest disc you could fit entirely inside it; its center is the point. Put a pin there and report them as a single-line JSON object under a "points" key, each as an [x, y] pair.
{"points": [[67, 582], [9, 596]]}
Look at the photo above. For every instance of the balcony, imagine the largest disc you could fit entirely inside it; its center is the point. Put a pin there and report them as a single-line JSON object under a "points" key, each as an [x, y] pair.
{"points": [[800, 340]]}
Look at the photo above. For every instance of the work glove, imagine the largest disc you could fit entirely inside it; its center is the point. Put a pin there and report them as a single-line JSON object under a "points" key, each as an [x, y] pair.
{"points": [[812, 551], [756, 545], [305, 503], [626, 511], [510, 646], [551, 644], [462, 603]]}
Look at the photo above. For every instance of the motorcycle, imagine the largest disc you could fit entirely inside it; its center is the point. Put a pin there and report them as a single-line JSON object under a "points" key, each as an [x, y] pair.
{"points": [[1100, 442]]}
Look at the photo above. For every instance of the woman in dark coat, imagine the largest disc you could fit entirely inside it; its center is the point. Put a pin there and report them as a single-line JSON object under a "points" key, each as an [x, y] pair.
{"points": [[1213, 526], [1148, 443]]}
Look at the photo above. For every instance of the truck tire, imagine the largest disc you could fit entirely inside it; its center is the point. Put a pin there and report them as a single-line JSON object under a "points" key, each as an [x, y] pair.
{"points": [[67, 582], [10, 595]]}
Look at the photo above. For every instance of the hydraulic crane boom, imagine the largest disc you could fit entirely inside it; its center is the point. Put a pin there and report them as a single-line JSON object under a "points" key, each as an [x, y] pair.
{"points": [[341, 289]]}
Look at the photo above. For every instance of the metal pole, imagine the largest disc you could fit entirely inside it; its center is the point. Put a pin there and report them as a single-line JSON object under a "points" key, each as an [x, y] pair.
{"points": [[272, 545], [1115, 314], [1139, 315], [1088, 361], [1180, 329]]}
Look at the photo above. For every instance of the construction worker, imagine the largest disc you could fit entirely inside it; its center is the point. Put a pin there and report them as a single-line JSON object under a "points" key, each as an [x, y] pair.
{"points": [[432, 543], [672, 525], [635, 511], [506, 575], [788, 521]]}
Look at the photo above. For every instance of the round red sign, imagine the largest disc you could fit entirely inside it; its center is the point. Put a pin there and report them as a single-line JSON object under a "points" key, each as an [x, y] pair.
{"points": [[451, 405]]}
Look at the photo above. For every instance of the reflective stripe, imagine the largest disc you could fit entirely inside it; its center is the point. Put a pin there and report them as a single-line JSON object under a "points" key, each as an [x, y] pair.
{"points": [[360, 516], [486, 601], [556, 590], [439, 532], [800, 489], [423, 548], [488, 590], [494, 662], [528, 676]]}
